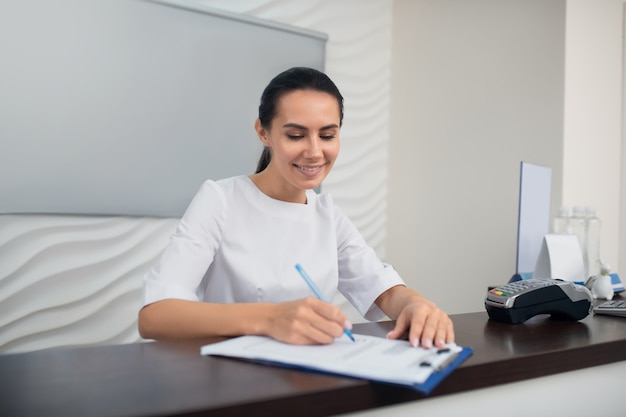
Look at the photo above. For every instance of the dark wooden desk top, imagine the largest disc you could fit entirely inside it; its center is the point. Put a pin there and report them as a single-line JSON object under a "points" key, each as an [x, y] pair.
{"points": [[173, 379]]}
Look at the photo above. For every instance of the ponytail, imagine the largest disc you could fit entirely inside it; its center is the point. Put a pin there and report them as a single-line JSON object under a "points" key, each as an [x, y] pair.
{"points": [[264, 160]]}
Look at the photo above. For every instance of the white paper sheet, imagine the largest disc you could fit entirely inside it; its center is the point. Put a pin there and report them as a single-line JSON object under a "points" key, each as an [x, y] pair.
{"points": [[369, 357]]}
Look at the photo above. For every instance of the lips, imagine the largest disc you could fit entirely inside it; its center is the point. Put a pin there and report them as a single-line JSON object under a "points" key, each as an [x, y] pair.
{"points": [[309, 171]]}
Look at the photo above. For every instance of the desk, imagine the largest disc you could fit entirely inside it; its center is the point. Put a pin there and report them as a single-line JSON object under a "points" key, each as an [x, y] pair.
{"points": [[173, 379]]}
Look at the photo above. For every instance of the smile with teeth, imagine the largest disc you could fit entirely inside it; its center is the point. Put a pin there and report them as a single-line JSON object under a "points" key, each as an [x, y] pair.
{"points": [[308, 170]]}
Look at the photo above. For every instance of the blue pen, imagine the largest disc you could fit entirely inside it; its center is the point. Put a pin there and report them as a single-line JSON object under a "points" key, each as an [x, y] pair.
{"points": [[318, 294]]}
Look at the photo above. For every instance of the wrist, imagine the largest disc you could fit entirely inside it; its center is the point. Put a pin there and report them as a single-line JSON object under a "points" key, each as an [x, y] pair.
{"points": [[261, 319]]}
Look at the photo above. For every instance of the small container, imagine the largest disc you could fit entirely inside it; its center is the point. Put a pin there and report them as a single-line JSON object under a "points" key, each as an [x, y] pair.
{"points": [[602, 287]]}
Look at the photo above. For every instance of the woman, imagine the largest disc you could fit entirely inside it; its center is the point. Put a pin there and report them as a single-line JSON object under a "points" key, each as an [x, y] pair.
{"points": [[229, 268]]}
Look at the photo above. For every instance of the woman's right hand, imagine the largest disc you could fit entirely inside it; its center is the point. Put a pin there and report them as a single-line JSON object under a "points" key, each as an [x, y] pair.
{"points": [[307, 321]]}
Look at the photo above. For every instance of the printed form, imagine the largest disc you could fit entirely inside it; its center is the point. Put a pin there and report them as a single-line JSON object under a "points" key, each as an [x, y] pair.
{"points": [[369, 357]]}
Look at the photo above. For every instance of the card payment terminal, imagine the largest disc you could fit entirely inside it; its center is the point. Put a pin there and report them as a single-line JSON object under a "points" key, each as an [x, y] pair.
{"points": [[518, 301]]}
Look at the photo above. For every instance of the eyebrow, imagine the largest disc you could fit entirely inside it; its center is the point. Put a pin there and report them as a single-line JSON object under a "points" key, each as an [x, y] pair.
{"points": [[297, 126]]}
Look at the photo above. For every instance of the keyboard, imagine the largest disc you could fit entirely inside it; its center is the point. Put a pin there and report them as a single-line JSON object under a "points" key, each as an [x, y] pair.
{"points": [[612, 308]]}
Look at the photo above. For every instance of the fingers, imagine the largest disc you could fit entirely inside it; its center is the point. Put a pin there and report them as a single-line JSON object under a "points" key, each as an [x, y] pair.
{"points": [[330, 319], [309, 321], [435, 331], [402, 324], [427, 325]]}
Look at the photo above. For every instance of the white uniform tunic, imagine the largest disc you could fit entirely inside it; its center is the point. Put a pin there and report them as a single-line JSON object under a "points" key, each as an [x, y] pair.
{"points": [[236, 244]]}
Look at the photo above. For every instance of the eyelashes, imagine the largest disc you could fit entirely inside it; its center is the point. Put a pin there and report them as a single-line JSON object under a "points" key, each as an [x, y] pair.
{"points": [[323, 137]]}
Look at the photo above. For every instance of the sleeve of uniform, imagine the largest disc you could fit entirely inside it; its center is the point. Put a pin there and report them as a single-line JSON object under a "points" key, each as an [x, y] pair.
{"points": [[362, 275], [191, 249]]}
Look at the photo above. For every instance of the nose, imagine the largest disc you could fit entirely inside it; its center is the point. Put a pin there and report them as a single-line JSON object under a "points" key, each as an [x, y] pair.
{"points": [[313, 148]]}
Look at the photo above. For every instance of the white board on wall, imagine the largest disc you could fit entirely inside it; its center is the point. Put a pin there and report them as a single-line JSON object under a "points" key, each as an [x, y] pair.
{"points": [[124, 107]]}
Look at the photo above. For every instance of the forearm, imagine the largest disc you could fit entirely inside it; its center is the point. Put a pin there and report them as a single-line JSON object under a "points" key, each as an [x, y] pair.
{"points": [[393, 301], [174, 318]]}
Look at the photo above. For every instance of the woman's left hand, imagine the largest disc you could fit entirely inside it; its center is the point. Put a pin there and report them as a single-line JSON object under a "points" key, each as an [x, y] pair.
{"points": [[426, 324]]}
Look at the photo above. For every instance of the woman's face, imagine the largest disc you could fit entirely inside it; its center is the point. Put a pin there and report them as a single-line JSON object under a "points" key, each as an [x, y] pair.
{"points": [[304, 139]]}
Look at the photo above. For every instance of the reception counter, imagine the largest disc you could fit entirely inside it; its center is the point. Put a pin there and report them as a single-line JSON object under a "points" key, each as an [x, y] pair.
{"points": [[173, 379]]}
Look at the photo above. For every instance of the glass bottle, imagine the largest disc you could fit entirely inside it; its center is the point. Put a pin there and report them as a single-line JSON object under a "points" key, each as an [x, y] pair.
{"points": [[592, 244], [578, 222], [562, 222]]}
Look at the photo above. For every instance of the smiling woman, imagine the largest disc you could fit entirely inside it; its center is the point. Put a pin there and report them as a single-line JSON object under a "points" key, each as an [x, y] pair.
{"points": [[303, 144], [229, 268]]}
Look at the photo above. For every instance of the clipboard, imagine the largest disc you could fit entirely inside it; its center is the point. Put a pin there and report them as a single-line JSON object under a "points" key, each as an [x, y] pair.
{"points": [[371, 358]]}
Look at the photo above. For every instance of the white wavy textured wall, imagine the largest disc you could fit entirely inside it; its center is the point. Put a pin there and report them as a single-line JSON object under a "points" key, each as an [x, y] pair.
{"points": [[70, 280]]}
